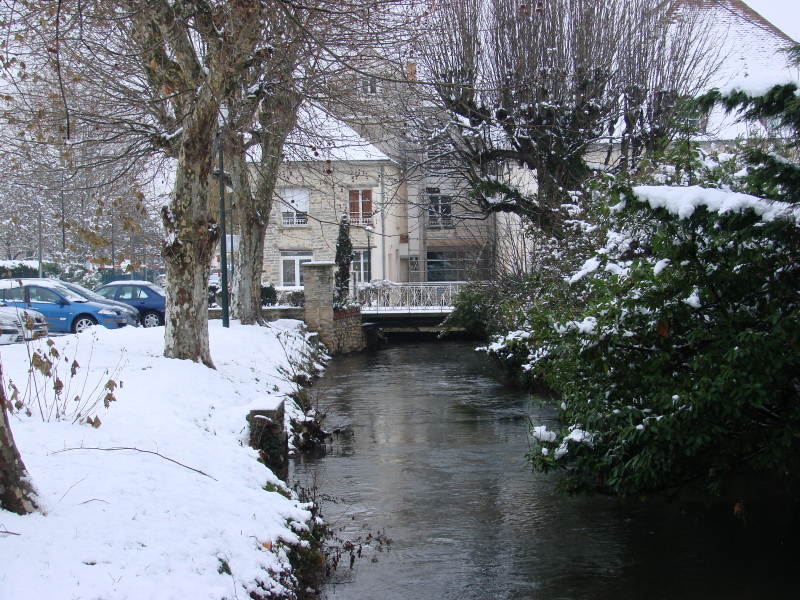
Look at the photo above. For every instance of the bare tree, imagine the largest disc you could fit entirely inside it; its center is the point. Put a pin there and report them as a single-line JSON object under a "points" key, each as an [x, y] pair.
{"points": [[543, 85], [153, 75], [317, 57]]}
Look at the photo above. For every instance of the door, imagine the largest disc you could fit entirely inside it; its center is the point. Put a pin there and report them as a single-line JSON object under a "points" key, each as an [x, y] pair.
{"points": [[56, 309]]}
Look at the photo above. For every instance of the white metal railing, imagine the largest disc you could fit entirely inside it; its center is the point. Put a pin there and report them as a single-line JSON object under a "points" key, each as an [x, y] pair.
{"points": [[362, 220], [408, 297], [294, 219], [443, 222]]}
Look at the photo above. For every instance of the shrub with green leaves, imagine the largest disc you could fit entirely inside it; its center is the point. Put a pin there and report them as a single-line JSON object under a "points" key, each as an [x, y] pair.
{"points": [[685, 364], [269, 295]]}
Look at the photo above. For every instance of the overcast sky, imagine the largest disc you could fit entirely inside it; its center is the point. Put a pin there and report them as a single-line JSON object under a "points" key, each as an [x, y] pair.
{"points": [[784, 14]]}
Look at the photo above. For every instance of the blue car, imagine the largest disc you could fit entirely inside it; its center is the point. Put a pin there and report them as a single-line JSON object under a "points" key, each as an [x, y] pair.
{"points": [[64, 310], [148, 298]]}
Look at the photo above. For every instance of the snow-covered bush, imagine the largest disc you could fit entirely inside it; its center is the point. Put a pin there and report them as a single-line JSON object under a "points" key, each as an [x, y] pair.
{"points": [[685, 364]]}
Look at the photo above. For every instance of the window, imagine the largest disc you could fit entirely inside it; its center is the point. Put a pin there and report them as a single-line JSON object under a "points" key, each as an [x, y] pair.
{"points": [[360, 266], [107, 292], [38, 294], [440, 209], [438, 155], [361, 207], [451, 265], [369, 85], [294, 207], [131, 292], [291, 273], [13, 294]]}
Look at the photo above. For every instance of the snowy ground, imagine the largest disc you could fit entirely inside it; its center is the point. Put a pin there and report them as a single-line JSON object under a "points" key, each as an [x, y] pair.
{"points": [[124, 524]]}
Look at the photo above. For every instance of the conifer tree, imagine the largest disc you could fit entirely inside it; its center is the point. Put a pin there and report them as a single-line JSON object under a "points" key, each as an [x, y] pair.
{"points": [[344, 255]]}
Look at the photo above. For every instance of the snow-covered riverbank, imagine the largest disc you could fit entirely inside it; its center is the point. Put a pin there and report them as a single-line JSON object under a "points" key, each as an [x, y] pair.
{"points": [[164, 499]]}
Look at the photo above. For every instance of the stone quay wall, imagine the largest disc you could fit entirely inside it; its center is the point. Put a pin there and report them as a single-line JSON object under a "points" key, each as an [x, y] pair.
{"points": [[348, 332], [339, 335]]}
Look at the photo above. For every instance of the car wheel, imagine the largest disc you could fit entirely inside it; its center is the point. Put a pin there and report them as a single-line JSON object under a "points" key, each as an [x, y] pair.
{"points": [[83, 323], [151, 319]]}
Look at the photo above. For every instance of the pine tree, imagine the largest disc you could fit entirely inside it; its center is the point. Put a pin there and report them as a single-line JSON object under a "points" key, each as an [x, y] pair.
{"points": [[344, 256]]}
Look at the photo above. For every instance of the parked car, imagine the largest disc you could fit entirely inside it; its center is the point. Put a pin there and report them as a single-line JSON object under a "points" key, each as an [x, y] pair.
{"points": [[10, 327], [148, 298], [31, 324], [130, 313], [16, 325], [64, 310], [162, 280]]}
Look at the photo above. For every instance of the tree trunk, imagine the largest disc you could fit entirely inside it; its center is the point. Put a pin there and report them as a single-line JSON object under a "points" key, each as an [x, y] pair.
{"points": [[17, 493], [276, 120], [191, 235]]}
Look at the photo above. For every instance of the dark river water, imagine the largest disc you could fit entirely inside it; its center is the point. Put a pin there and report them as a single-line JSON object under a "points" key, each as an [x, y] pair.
{"points": [[432, 453]]}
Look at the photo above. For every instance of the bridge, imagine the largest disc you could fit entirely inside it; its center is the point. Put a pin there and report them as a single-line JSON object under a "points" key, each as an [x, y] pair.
{"points": [[407, 307], [392, 307]]}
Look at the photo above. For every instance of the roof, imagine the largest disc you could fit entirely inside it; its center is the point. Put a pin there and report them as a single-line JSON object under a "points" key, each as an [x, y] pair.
{"points": [[739, 10], [130, 282], [321, 137], [752, 48]]}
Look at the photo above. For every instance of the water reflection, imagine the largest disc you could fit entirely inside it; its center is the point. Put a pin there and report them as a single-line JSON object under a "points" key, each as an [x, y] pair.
{"points": [[432, 451]]}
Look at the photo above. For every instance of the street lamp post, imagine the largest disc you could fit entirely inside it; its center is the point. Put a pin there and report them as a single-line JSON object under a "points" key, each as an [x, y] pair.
{"points": [[369, 255], [223, 251], [63, 218]]}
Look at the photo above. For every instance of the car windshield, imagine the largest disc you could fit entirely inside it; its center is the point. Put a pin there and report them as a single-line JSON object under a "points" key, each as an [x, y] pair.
{"points": [[88, 294], [69, 294]]}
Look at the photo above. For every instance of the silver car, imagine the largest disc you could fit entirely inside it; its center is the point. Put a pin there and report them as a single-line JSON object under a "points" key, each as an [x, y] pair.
{"points": [[18, 325]]}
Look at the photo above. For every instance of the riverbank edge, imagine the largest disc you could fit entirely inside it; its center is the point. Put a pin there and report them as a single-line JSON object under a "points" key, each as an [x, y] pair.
{"points": [[153, 383]]}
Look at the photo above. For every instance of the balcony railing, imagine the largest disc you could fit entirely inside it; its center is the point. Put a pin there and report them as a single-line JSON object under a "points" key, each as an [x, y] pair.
{"points": [[440, 222], [362, 220], [408, 297], [294, 219]]}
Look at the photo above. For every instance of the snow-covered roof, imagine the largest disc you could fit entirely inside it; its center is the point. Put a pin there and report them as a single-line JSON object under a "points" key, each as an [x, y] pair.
{"points": [[321, 137], [753, 53]]}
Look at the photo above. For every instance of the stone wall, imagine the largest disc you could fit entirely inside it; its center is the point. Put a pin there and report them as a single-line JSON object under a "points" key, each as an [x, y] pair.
{"points": [[318, 278], [341, 333], [268, 313], [347, 332]]}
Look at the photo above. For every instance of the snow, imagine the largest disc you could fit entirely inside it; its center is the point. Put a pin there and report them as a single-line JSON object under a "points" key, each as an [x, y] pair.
{"points": [[757, 85], [124, 522], [660, 266], [590, 266], [541, 432], [14, 264], [694, 299], [683, 201], [331, 140]]}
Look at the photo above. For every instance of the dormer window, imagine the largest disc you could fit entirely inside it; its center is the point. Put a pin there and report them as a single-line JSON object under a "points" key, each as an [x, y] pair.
{"points": [[369, 85]]}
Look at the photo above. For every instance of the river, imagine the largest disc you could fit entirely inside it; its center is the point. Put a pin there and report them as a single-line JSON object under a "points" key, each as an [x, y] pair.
{"points": [[430, 451]]}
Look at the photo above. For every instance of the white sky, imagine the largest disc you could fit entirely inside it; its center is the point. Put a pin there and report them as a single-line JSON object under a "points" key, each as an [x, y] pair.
{"points": [[784, 14]]}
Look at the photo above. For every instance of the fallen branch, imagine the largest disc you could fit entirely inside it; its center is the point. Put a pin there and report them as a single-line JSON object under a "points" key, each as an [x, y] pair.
{"points": [[143, 452]]}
